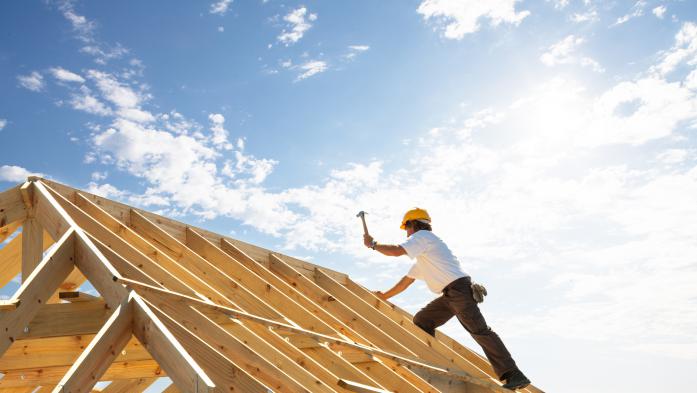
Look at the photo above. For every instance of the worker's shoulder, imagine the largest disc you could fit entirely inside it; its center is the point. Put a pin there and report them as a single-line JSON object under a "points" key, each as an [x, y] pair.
{"points": [[428, 235]]}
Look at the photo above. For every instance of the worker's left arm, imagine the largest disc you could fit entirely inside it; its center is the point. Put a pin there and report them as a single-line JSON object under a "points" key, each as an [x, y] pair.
{"points": [[385, 249]]}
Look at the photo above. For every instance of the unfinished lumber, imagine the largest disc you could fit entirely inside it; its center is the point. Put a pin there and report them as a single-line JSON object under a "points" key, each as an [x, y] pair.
{"points": [[167, 351], [40, 284], [100, 353], [11, 206]]}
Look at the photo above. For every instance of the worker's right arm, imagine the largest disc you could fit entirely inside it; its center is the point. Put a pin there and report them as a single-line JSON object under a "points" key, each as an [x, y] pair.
{"points": [[397, 289]]}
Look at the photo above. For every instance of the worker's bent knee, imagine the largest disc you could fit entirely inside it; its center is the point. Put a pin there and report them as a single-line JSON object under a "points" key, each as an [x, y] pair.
{"points": [[425, 324]]}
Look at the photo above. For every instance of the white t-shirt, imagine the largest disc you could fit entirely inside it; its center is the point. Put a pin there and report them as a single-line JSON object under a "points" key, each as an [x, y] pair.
{"points": [[435, 263]]}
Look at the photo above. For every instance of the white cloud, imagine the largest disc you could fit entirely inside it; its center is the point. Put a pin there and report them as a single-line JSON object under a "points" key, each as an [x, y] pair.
{"points": [[564, 52], [220, 134], [355, 50], [311, 68], [461, 17], [673, 156], [297, 25], [559, 4], [87, 102], [659, 11], [637, 11], [221, 29], [85, 31], [588, 16], [33, 81], [683, 51], [66, 76], [99, 176], [220, 7], [15, 174], [3, 123]]}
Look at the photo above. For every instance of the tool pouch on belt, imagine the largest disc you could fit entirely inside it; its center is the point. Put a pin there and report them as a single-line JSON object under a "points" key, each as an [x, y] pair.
{"points": [[478, 292]]}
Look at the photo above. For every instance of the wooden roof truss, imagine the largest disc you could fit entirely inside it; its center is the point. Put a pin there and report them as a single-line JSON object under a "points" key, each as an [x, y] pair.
{"points": [[212, 313]]}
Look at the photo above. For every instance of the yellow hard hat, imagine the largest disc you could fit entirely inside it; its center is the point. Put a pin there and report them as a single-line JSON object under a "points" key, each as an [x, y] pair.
{"points": [[415, 214]]}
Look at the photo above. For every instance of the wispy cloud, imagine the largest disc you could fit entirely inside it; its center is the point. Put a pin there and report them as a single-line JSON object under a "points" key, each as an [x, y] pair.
{"points": [[298, 23], [660, 11], [64, 75], [564, 52], [354, 50], [220, 7], [33, 81], [3, 123], [85, 31], [637, 11], [310, 68], [457, 18]]}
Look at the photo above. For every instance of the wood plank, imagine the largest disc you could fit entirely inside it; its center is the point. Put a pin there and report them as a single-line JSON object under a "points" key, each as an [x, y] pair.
{"points": [[278, 299], [32, 246], [7, 230], [241, 347], [212, 274], [61, 351], [291, 292], [53, 375], [34, 292], [98, 270], [11, 206], [129, 386], [359, 387], [167, 351], [66, 319], [349, 317], [101, 352], [332, 342], [130, 246], [121, 212], [77, 296], [95, 228], [51, 215], [228, 375]]}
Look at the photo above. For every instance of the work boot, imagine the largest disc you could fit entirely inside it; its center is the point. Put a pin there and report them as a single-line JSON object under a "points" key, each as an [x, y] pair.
{"points": [[516, 380]]}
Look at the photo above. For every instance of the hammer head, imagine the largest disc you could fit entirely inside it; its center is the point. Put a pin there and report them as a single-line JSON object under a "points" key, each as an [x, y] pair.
{"points": [[361, 214]]}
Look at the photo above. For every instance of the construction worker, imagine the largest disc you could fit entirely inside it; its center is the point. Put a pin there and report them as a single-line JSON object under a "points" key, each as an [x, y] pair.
{"points": [[440, 269]]}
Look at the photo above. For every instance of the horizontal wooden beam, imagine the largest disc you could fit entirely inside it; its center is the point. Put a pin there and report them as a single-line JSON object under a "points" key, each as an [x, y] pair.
{"points": [[67, 319], [77, 296], [53, 375], [61, 351]]}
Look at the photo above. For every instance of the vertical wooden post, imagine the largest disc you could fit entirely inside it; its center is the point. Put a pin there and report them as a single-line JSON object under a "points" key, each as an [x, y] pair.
{"points": [[32, 233]]}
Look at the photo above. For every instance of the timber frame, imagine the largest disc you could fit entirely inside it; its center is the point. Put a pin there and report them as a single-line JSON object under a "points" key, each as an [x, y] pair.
{"points": [[212, 313]]}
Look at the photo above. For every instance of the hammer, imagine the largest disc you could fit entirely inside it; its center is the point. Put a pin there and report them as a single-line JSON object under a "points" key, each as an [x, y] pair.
{"points": [[362, 214]]}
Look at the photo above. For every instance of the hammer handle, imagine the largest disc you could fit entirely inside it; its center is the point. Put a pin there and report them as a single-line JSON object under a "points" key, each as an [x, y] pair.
{"points": [[365, 227]]}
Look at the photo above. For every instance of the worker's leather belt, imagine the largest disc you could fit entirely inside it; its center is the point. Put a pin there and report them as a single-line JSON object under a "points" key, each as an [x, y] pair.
{"points": [[466, 281]]}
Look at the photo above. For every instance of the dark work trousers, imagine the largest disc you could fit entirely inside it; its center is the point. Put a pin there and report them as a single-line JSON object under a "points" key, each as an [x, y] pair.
{"points": [[457, 300]]}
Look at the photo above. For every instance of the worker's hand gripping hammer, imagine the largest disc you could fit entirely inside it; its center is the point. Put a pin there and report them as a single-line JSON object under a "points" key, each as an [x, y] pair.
{"points": [[367, 239]]}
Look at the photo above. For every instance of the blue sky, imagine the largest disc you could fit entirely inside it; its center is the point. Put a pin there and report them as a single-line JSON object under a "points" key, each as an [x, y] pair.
{"points": [[552, 141]]}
